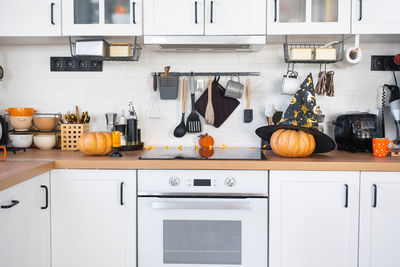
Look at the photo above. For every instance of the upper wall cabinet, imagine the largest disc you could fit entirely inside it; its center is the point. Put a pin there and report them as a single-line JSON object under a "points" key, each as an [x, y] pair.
{"points": [[30, 18], [205, 17], [173, 17], [309, 16], [102, 17], [375, 17]]}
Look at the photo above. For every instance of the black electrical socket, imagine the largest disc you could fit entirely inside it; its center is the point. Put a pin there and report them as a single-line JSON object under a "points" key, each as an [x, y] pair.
{"points": [[384, 63], [74, 64]]}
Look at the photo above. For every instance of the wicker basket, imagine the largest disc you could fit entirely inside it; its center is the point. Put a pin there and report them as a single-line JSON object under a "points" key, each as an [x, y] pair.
{"points": [[70, 134]]}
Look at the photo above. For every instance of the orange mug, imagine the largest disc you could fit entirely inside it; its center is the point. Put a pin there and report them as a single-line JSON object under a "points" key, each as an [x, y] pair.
{"points": [[5, 152], [380, 147]]}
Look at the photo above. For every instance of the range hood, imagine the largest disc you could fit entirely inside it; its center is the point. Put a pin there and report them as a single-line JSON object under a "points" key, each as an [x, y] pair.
{"points": [[206, 43]]}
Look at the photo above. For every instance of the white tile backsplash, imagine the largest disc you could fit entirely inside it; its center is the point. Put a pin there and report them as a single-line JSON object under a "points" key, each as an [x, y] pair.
{"points": [[28, 82]]}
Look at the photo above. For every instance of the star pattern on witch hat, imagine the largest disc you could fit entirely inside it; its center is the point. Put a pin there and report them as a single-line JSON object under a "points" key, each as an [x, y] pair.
{"points": [[301, 110]]}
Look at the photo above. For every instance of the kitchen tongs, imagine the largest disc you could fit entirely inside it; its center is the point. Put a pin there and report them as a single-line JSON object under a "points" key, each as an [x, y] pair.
{"points": [[193, 123]]}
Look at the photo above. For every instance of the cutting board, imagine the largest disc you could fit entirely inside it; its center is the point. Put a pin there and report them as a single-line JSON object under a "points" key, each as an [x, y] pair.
{"points": [[223, 106]]}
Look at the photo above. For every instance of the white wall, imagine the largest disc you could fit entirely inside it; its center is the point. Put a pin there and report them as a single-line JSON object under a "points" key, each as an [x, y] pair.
{"points": [[29, 83]]}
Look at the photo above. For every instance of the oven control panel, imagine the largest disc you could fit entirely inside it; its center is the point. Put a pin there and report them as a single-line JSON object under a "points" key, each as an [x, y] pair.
{"points": [[202, 181], [175, 181]]}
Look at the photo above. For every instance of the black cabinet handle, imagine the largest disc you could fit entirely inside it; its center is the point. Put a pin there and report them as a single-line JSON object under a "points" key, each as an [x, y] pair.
{"points": [[361, 8], [375, 197], [134, 12], [346, 200], [121, 188], [195, 12], [212, 12], [276, 11], [46, 190], [13, 203], [52, 13]]}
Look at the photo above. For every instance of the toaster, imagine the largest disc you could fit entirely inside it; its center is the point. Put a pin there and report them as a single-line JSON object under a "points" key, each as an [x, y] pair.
{"points": [[354, 131]]}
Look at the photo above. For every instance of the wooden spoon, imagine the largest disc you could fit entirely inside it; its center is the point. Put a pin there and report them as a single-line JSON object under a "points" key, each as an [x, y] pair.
{"points": [[209, 116]]}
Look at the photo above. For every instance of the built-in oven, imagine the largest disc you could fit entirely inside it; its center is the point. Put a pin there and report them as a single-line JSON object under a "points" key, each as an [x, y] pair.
{"points": [[202, 218]]}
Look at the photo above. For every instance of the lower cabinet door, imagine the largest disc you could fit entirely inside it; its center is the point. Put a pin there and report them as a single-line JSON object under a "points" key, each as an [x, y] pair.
{"points": [[93, 218], [313, 219], [25, 224], [380, 219]]}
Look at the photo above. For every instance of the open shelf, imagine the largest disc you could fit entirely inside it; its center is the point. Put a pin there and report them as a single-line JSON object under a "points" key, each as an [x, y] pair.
{"points": [[136, 52], [339, 46]]}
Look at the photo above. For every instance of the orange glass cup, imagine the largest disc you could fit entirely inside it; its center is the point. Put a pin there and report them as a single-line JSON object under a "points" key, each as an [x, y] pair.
{"points": [[5, 152], [380, 147]]}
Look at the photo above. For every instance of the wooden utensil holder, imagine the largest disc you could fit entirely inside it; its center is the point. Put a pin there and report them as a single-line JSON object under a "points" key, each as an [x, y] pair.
{"points": [[70, 134]]}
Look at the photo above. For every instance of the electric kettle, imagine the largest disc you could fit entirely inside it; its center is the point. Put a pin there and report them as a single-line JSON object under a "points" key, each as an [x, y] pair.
{"points": [[3, 131]]}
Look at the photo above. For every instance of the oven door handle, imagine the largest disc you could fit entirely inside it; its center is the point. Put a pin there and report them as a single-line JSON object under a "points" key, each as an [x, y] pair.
{"points": [[202, 205]]}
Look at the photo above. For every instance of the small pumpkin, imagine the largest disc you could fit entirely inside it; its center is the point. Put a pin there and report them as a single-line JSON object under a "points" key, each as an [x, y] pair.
{"points": [[95, 143], [206, 152], [292, 143], [206, 141]]}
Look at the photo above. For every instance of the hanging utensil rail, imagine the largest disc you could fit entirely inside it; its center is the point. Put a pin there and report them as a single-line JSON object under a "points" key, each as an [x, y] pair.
{"points": [[210, 73]]}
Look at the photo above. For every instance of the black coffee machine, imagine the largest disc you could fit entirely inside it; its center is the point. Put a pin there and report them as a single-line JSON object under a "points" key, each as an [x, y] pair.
{"points": [[354, 131]]}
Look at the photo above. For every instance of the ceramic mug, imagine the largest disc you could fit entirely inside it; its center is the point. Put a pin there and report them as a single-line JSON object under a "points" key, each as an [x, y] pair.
{"points": [[290, 83], [380, 147], [4, 150]]}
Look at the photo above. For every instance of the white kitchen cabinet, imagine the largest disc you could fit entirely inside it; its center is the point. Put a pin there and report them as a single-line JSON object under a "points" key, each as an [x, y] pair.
{"points": [[25, 224], [375, 17], [380, 219], [308, 17], [30, 18], [173, 17], [235, 17], [313, 219], [205, 17], [93, 218], [102, 17]]}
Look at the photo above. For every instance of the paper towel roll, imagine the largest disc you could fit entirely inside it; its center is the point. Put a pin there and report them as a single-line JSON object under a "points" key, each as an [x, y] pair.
{"points": [[353, 55]]}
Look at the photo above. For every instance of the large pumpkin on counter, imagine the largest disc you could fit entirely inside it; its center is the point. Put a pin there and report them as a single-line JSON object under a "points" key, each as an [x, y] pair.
{"points": [[292, 143], [95, 143]]}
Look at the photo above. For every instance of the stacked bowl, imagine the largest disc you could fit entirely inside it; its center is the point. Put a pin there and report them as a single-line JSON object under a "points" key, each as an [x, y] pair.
{"points": [[21, 118]]}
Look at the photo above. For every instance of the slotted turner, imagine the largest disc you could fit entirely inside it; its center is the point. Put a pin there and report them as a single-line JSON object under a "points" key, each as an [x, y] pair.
{"points": [[193, 123]]}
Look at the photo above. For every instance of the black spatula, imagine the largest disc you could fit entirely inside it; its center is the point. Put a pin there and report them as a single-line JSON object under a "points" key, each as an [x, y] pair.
{"points": [[248, 113]]}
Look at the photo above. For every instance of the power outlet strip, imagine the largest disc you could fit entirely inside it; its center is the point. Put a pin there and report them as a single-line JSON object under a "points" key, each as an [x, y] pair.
{"points": [[74, 64], [384, 63]]}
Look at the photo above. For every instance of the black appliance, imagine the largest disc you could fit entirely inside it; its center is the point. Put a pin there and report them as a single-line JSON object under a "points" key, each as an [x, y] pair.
{"points": [[354, 132], [3, 131], [191, 154]]}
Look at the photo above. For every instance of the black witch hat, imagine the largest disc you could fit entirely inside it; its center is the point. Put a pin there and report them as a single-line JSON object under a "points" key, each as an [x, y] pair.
{"points": [[301, 115]]}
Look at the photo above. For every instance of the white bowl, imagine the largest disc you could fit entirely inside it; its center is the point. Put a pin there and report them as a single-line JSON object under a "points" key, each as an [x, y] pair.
{"points": [[45, 141], [21, 140]]}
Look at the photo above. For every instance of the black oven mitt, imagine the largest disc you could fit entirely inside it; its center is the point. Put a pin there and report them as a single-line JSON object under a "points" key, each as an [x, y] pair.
{"points": [[223, 106]]}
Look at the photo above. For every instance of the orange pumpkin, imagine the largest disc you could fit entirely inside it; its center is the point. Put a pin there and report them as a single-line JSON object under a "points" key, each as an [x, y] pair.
{"points": [[292, 143], [95, 143], [206, 141], [206, 152]]}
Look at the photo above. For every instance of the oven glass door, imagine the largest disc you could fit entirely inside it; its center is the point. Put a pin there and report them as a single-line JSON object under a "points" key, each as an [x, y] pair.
{"points": [[202, 232]]}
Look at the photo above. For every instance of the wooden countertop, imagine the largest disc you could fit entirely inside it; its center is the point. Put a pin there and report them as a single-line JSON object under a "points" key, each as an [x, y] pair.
{"points": [[24, 165], [15, 172]]}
